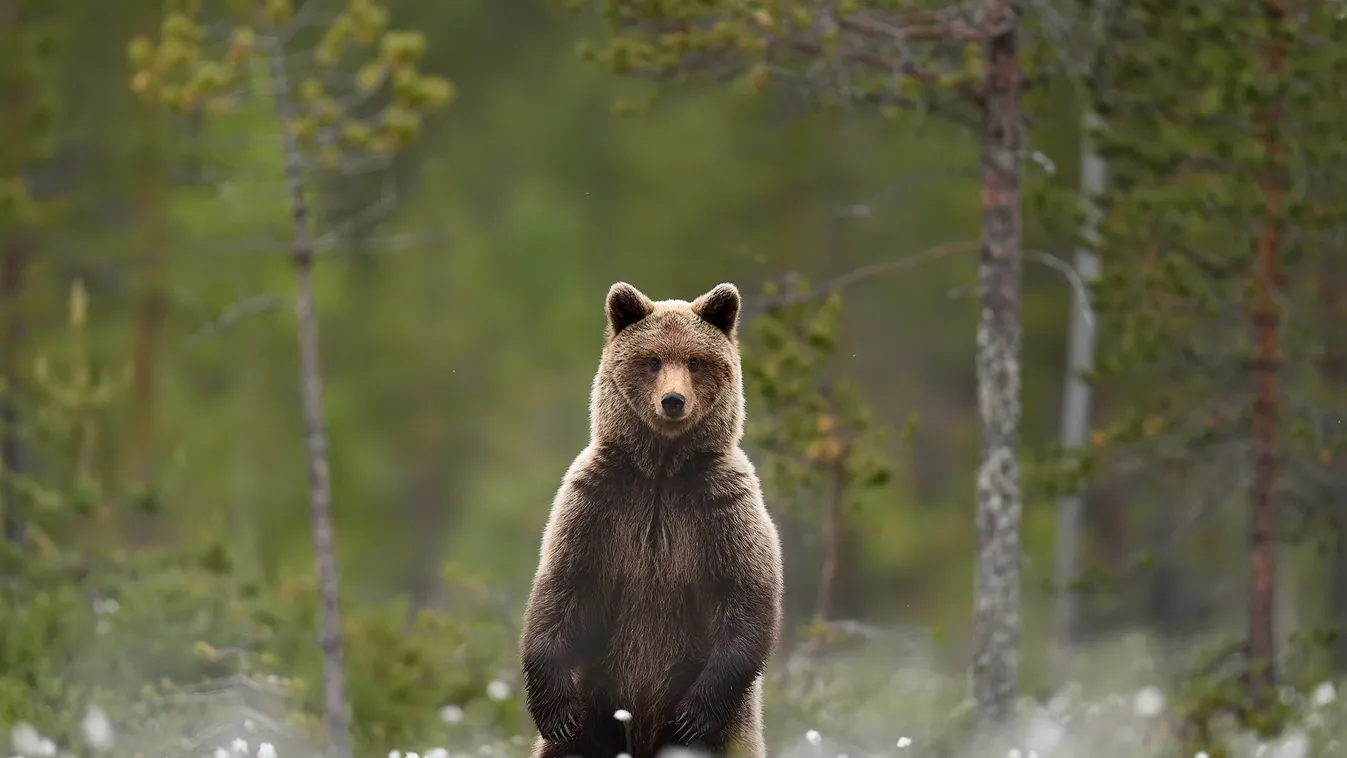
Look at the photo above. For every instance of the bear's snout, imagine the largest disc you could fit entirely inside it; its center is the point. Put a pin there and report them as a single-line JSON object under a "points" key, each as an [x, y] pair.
{"points": [[674, 404]]}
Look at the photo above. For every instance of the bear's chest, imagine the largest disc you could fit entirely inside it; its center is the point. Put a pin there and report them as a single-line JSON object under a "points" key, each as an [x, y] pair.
{"points": [[659, 539]]}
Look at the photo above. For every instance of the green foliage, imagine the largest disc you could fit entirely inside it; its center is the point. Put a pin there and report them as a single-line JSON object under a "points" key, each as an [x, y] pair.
{"points": [[823, 459], [31, 58], [809, 419], [149, 633], [180, 72], [67, 414], [890, 55]]}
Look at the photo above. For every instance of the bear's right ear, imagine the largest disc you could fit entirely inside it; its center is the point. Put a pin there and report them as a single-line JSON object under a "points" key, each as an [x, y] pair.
{"points": [[626, 306]]}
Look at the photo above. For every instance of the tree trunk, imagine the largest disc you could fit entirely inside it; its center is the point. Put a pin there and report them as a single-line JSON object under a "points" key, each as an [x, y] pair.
{"points": [[1337, 604], [996, 632], [140, 465], [336, 707], [1333, 507], [1076, 400], [833, 535], [12, 456], [13, 260], [1265, 317]]}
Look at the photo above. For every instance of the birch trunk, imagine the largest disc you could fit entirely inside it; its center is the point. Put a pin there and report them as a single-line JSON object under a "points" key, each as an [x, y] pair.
{"points": [[1078, 398]]}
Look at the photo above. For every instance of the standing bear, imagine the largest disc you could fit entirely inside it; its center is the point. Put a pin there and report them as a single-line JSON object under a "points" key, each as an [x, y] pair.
{"points": [[659, 581]]}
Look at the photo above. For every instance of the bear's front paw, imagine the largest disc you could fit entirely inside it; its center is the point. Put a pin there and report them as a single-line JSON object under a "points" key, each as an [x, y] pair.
{"points": [[559, 724], [556, 709], [696, 721]]}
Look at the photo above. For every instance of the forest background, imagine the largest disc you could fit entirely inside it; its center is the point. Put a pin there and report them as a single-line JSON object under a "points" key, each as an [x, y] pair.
{"points": [[160, 550]]}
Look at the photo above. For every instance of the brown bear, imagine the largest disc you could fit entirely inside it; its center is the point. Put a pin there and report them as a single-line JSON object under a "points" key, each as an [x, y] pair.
{"points": [[657, 600]]}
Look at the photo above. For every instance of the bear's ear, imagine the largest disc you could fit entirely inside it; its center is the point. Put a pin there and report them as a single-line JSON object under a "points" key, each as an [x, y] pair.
{"points": [[720, 308], [626, 306]]}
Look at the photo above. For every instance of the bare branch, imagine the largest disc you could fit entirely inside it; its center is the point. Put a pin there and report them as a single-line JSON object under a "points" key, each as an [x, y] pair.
{"points": [[1072, 276], [863, 273], [250, 306], [907, 182], [358, 222], [307, 16]]}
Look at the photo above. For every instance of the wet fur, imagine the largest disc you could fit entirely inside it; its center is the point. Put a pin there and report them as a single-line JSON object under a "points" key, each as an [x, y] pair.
{"points": [[658, 588]]}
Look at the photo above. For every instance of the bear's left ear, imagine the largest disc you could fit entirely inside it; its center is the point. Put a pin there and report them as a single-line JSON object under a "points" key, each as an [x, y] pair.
{"points": [[720, 308], [626, 305]]}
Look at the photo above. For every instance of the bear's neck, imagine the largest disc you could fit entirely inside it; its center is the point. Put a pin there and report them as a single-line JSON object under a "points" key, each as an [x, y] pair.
{"points": [[616, 428]]}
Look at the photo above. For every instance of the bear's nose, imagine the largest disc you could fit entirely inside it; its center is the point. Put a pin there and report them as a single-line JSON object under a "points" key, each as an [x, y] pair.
{"points": [[673, 404]]}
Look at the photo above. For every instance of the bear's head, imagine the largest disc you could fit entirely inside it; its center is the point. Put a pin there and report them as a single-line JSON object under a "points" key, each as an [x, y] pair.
{"points": [[670, 370]]}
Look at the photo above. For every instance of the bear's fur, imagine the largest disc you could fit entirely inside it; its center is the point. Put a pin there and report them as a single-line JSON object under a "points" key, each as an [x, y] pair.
{"points": [[658, 589]]}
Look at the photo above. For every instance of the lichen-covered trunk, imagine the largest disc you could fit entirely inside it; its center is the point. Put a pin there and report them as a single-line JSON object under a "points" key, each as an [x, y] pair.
{"points": [[1266, 318], [335, 706], [996, 622]]}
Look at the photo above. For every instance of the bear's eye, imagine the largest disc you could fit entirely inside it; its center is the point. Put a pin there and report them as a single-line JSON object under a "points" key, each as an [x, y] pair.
{"points": [[694, 364], [653, 363]]}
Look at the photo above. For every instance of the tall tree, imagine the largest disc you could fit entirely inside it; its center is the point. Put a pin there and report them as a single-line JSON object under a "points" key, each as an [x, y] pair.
{"points": [[959, 61], [1266, 318], [28, 115], [328, 122], [1077, 398], [1210, 161]]}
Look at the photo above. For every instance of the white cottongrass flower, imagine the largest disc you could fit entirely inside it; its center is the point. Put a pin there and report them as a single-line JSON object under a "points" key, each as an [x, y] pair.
{"points": [[622, 715], [413, 755], [239, 746], [394, 754], [437, 752], [1044, 734], [1201, 754], [97, 729], [1014, 752], [451, 714], [904, 743], [25, 739], [1293, 745], [813, 737], [497, 690], [266, 750], [221, 753], [46, 748], [1149, 702], [1324, 695]]}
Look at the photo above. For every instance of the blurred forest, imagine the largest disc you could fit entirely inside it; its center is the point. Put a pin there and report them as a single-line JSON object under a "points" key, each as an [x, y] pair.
{"points": [[1181, 509]]}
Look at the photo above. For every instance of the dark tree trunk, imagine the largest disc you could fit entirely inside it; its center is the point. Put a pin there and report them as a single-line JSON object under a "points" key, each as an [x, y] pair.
{"points": [[1266, 319], [1332, 504], [996, 633], [833, 536], [12, 456]]}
